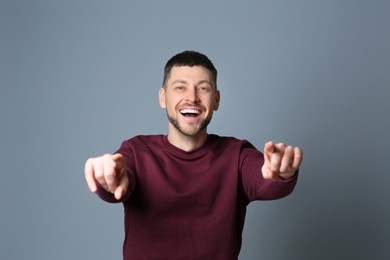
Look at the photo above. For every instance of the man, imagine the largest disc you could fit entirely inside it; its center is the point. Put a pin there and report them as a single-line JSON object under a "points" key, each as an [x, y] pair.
{"points": [[185, 193]]}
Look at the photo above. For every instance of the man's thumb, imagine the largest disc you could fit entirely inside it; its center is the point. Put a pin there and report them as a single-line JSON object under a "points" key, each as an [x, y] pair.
{"points": [[121, 190]]}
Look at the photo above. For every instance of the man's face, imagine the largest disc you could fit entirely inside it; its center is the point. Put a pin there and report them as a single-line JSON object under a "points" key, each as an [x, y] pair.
{"points": [[189, 97]]}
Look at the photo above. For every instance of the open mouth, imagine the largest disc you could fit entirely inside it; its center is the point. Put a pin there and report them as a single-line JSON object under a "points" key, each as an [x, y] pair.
{"points": [[190, 112]]}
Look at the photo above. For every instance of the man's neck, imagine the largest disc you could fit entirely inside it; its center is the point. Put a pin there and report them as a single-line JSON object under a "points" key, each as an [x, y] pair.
{"points": [[185, 142]]}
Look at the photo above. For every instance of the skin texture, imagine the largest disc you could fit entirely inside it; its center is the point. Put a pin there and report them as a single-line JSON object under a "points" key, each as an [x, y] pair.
{"points": [[189, 97], [189, 88]]}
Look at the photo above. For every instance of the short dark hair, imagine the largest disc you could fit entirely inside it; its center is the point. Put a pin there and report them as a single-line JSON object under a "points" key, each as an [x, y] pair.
{"points": [[190, 58]]}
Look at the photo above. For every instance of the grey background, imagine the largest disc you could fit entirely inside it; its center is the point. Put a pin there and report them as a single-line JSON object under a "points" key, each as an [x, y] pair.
{"points": [[78, 77]]}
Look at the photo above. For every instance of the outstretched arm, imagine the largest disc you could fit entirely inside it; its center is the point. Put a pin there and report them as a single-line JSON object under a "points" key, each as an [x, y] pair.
{"points": [[280, 161]]}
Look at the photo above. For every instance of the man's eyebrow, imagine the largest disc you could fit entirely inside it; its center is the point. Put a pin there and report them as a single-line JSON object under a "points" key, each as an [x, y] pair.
{"points": [[204, 81]]}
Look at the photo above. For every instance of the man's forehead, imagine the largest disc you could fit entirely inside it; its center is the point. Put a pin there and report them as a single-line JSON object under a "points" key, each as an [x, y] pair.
{"points": [[184, 73]]}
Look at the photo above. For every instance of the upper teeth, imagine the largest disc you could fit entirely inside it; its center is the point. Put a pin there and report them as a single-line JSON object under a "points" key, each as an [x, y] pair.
{"points": [[191, 111]]}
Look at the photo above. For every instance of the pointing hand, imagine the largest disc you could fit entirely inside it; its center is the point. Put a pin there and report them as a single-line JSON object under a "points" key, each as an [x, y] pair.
{"points": [[110, 172], [280, 161]]}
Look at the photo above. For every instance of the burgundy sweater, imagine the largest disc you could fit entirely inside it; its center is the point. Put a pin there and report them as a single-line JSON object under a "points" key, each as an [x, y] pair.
{"points": [[191, 205]]}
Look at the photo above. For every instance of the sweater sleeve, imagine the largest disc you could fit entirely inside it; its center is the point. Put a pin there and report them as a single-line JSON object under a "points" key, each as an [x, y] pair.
{"points": [[255, 186]]}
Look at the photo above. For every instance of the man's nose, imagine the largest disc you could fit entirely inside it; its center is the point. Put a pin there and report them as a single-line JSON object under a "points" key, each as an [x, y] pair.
{"points": [[193, 95]]}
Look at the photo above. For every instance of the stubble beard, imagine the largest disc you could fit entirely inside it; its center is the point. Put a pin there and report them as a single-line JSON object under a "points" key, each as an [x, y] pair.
{"points": [[203, 125]]}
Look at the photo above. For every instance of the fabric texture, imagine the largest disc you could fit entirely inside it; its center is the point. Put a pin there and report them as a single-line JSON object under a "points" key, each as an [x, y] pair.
{"points": [[191, 205]]}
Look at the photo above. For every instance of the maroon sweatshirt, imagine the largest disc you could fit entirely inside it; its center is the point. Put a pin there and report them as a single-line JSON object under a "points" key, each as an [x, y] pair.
{"points": [[191, 205]]}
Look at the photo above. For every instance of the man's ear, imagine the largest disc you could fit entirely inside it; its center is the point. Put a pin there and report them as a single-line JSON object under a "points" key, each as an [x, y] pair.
{"points": [[217, 99], [161, 97]]}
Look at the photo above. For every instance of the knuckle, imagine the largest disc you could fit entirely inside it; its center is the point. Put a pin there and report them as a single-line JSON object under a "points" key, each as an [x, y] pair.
{"points": [[106, 157], [275, 167], [98, 172], [274, 163], [110, 174], [286, 160], [266, 173], [87, 166], [89, 161]]}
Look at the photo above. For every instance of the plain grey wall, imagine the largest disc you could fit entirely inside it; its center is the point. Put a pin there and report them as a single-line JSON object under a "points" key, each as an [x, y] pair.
{"points": [[79, 77]]}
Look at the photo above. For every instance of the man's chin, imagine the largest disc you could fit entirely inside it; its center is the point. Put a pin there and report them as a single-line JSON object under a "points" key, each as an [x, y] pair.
{"points": [[190, 129]]}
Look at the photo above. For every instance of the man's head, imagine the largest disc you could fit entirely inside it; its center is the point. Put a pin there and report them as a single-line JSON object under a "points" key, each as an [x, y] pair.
{"points": [[190, 58], [189, 93]]}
